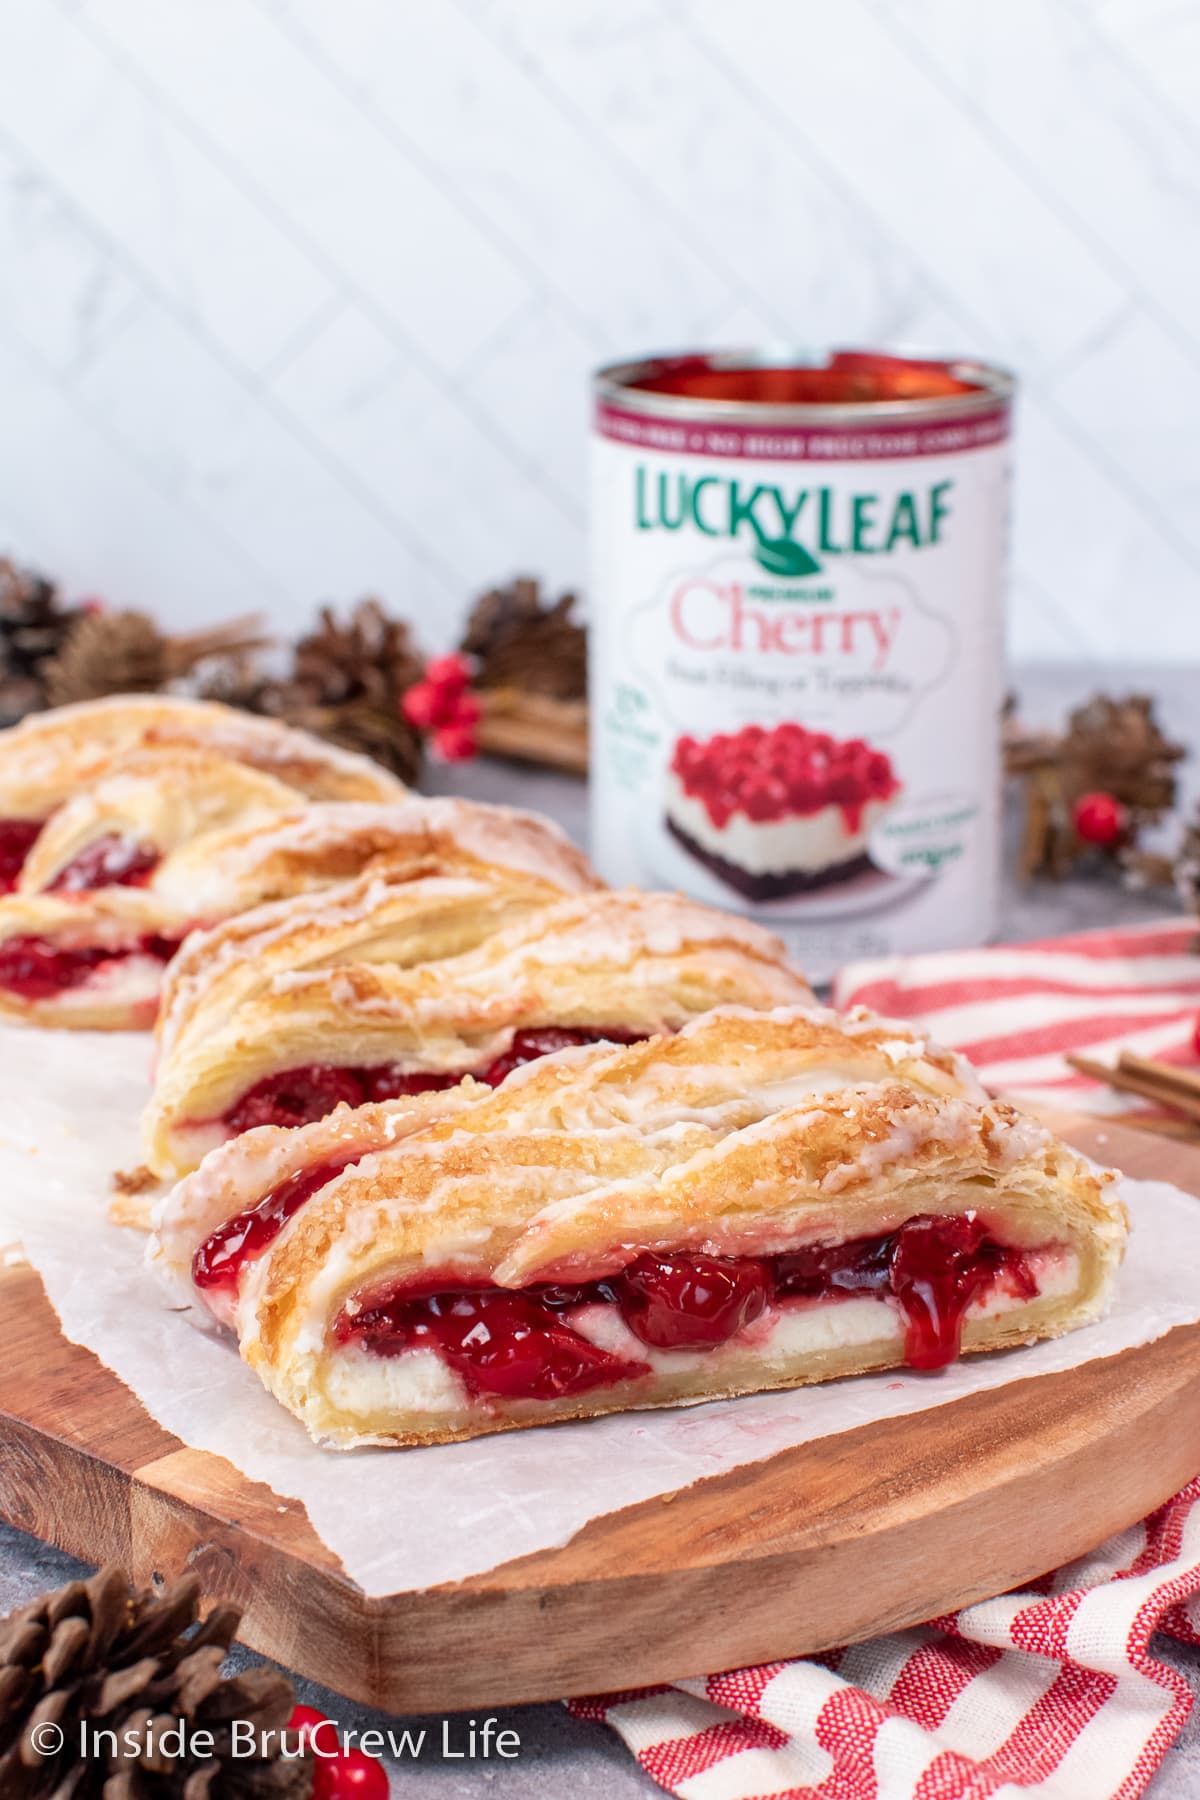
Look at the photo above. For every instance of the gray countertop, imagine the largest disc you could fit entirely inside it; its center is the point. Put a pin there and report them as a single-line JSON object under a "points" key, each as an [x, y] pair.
{"points": [[558, 1753]]}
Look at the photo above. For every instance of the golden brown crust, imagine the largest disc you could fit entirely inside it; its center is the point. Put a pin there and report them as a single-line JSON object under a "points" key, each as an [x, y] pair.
{"points": [[340, 868], [640, 963], [744, 1134], [371, 920], [48, 757]]}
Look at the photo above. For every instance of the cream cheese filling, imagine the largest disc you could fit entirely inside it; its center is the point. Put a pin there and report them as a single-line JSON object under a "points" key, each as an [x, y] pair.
{"points": [[130, 979], [417, 1383]]}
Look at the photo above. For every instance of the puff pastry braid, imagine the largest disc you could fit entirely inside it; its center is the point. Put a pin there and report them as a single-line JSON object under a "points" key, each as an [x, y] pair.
{"points": [[760, 1201], [199, 839], [387, 991]]}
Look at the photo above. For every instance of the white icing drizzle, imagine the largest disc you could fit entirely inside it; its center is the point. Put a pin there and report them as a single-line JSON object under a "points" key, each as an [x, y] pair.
{"points": [[416, 828], [341, 916]]}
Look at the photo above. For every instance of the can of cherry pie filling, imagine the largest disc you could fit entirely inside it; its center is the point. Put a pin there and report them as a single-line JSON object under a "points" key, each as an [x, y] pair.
{"points": [[797, 641]]}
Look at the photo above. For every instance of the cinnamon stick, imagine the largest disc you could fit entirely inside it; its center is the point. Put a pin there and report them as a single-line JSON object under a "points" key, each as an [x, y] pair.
{"points": [[1136, 1081], [535, 728], [1184, 1081]]}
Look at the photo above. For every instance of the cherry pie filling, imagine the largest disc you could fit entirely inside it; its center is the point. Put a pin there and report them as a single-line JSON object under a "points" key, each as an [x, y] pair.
{"points": [[776, 773], [517, 1343], [300, 1095], [243, 1238], [17, 838], [108, 861], [36, 968]]}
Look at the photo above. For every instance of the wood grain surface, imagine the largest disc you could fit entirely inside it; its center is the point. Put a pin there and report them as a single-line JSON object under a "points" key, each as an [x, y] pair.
{"points": [[831, 1542]]}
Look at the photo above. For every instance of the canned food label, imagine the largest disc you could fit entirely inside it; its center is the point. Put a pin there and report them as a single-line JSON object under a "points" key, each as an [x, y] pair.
{"points": [[797, 673]]}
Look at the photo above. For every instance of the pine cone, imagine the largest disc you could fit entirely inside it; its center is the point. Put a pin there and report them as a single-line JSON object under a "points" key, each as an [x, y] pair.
{"points": [[34, 625], [346, 683], [237, 680], [520, 643], [1117, 746], [368, 657], [109, 653], [94, 1657], [374, 731], [126, 653], [1110, 746]]}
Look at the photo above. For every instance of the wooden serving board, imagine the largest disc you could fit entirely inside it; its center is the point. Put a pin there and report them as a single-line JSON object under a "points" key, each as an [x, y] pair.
{"points": [[834, 1541]]}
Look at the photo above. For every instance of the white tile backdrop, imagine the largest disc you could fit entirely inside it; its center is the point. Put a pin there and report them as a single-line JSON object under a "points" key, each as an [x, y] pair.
{"points": [[298, 297]]}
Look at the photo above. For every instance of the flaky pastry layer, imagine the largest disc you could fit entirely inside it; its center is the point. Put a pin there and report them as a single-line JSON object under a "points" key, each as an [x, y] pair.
{"points": [[321, 846], [372, 920]]}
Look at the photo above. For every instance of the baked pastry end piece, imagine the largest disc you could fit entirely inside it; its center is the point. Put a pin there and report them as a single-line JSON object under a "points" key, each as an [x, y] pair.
{"points": [[760, 1201]]}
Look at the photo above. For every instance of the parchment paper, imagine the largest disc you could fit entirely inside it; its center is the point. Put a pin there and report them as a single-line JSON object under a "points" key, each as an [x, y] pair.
{"points": [[69, 1106]]}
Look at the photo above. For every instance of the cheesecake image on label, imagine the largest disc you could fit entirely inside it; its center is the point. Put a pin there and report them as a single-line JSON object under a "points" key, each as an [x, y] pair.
{"points": [[778, 810]]}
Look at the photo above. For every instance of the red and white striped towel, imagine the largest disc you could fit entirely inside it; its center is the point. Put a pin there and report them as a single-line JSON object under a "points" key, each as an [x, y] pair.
{"points": [[1015, 1010], [1052, 1692]]}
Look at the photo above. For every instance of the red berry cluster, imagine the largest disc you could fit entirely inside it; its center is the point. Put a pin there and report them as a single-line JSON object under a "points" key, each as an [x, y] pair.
{"points": [[1100, 819], [338, 1774], [441, 707], [768, 774]]}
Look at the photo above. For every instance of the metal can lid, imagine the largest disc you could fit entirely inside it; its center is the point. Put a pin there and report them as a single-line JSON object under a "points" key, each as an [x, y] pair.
{"points": [[789, 387]]}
